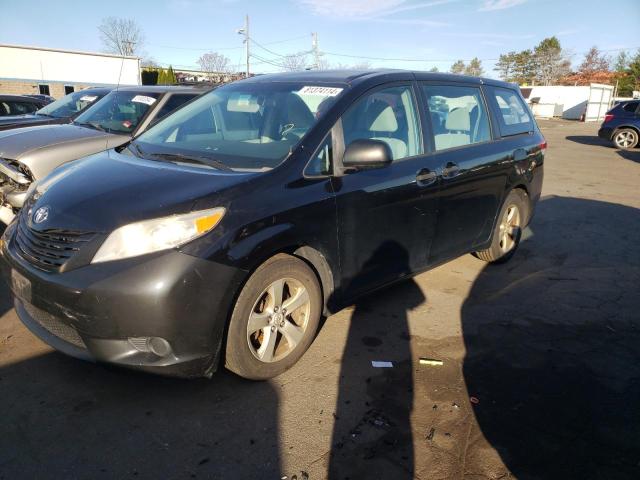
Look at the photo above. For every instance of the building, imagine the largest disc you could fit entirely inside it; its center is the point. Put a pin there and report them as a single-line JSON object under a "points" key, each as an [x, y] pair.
{"points": [[588, 103], [32, 70]]}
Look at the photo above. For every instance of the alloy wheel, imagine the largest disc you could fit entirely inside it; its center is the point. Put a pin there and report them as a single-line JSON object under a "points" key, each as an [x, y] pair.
{"points": [[625, 139], [509, 228], [278, 320]]}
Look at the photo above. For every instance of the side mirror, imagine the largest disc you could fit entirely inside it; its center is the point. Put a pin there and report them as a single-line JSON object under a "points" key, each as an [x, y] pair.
{"points": [[366, 153]]}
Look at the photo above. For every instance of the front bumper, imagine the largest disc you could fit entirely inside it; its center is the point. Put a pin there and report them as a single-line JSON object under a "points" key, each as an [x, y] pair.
{"points": [[109, 312], [606, 133]]}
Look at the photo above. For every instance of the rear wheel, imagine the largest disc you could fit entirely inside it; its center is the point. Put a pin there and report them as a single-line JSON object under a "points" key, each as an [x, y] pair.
{"points": [[274, 319], [625, 138], [513, 218]]}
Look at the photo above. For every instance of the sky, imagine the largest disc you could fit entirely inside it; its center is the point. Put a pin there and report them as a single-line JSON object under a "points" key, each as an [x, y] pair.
{"points": [[412, 34]]}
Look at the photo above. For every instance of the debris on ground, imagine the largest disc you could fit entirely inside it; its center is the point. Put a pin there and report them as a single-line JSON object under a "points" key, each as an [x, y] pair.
{"points": [[431, 434], [381, 364], [474, 400], [431, 362]]}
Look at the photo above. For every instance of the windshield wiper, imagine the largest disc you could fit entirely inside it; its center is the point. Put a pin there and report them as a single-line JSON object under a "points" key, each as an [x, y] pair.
{"points": [[179, 157], [94, 126]]}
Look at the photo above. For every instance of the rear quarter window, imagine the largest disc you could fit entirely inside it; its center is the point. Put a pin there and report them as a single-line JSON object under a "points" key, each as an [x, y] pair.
{"points": [[514, 117], [631, 107]]}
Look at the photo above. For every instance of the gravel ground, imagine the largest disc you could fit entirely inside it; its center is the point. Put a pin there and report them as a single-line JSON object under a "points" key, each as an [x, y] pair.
{"points": [[540, 380]]}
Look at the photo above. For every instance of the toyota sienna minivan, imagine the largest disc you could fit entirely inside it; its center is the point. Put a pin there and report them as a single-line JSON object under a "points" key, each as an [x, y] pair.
{"points": [[225, 232]]}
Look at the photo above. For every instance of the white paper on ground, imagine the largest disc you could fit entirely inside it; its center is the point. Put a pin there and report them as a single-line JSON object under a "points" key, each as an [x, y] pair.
{"points": [[380, 364]]}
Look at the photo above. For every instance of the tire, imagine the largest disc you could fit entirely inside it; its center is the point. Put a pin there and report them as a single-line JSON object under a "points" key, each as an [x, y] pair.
{"points": [[513, 218], [264, 339], [625, 138]]}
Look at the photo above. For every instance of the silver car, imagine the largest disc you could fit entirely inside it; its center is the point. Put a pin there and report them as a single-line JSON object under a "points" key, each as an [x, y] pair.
{"points": [[29, 154]]}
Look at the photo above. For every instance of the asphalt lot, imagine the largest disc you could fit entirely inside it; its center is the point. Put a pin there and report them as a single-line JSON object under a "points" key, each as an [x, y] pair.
{"points": [[547, 345]]}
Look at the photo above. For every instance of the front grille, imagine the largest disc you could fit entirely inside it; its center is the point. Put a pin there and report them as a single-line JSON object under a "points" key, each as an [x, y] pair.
{"points": [[54, 325], [49, 249]]}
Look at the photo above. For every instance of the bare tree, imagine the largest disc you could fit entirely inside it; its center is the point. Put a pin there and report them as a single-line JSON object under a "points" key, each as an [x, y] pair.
{"points": [[295, 62], [121, 36], [214, 64]]}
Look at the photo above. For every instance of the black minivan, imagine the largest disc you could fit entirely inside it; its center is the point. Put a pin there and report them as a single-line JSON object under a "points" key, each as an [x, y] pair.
{"points": [[225, 232]]}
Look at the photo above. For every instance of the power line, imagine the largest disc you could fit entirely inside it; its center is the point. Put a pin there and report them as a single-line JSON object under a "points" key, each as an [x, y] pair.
{"points": [[300, 54], [225, 48]]}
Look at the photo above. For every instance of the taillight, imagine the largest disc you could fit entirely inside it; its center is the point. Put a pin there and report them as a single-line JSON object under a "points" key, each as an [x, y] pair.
{"points": [[543, 147], [608, 117]]}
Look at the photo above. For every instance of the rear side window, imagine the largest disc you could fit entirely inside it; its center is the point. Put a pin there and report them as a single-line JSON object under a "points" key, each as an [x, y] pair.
{"points": [[631, 107], [174, 101], [514, 116], [388, 115], [458, 115]]}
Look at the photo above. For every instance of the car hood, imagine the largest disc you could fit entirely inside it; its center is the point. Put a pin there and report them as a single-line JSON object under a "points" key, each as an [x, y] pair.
{"points": [[108, 190], [43, 148], [16, 143], [15, 121]]}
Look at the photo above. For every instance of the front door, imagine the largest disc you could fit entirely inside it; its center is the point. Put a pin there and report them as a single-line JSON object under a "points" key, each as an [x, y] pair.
{"points": [[386, 215]]}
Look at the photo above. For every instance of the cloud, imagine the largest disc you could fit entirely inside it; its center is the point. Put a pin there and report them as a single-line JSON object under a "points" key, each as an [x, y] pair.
{"points": [[350, 8], [490, 5], [367, 8]]}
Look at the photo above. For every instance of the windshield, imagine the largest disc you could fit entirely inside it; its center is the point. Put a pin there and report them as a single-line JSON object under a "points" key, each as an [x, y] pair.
{"points": [[70, 104], [246, 125], [118, 112]]}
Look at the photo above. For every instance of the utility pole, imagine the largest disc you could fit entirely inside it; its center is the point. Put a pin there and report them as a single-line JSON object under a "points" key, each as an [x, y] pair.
{"points": [[245, 31], [315, 50]]}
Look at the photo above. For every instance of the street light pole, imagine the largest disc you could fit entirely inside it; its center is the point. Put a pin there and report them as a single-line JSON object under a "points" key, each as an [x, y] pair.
{"points": [[245, 31]]}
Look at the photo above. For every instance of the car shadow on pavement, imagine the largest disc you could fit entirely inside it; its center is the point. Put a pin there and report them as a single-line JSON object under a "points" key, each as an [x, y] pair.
{"points": [[589, 140], [64, 418], [633, 155], [552, 341], [377, 436]]}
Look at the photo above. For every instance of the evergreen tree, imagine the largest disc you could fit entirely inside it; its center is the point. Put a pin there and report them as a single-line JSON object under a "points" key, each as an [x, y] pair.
{"points": [[474, 68], [458, 67], [551, 62], [171, 76]]}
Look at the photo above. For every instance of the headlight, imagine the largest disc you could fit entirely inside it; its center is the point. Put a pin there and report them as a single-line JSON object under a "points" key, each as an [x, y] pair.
{"points": [[157, 234]]}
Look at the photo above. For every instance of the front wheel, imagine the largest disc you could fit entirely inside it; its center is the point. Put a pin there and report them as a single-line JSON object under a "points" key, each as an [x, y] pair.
{"points": [[513, 218], [274, 319], [625, 138]]}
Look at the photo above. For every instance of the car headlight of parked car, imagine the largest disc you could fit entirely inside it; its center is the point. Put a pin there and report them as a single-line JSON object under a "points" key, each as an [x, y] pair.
{"points": [[157, 234]]}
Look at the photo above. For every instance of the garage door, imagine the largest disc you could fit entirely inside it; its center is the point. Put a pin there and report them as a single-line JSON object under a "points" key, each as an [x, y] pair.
{"points": [[600, 97]]}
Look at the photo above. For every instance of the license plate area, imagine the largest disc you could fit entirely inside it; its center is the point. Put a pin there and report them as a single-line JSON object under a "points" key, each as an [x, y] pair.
{"points": [[21, 286]]}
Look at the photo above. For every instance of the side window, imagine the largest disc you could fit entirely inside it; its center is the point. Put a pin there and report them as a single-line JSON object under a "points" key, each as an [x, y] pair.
{"points": [[631, 107], [388, 115], [320, 163], [20, 108], [513, 115], [458, 115], [172, 103]]}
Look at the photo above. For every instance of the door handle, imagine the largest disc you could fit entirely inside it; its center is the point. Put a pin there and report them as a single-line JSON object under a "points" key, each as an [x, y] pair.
{"points": [[450, 170], [426, 177], [519, 155]]}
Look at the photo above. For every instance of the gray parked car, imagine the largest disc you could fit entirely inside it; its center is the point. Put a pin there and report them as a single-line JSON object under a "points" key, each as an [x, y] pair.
{"points": [[29, 154]]}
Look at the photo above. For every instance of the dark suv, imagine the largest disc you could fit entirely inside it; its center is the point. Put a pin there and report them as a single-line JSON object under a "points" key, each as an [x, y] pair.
{"points": [[622, 125], [228, 229]]}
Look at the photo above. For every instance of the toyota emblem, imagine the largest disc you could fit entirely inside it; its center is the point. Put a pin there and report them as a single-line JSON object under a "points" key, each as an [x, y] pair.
{"points": [[41, 215]]}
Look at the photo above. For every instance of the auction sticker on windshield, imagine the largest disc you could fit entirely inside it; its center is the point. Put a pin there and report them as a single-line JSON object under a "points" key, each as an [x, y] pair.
{"points": [[322, 91], [88, 98], [144, 99]]}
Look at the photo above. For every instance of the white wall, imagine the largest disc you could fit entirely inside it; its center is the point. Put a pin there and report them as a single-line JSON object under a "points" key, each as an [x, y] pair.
{"points": [[22, 63], [573, 99]]}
